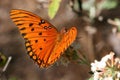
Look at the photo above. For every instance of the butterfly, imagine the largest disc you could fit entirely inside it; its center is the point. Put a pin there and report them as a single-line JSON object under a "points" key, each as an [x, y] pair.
{"points": [[44, 43]]}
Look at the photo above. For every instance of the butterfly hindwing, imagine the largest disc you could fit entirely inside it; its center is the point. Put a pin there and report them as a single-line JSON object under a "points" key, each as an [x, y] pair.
{"points": [[67, 38]]}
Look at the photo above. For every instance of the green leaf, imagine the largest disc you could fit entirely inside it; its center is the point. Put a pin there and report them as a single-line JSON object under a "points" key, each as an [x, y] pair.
{"points": [[118, 23], [53, 8], [13, 78], [109, 4], [3, 59]]}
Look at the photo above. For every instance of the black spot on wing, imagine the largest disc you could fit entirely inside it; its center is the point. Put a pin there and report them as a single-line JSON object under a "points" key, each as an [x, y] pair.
{"points": [[31, 24], [45, 27], [23, 28], [49, 27], [44, 39], [40, 33], [32, 29], [36, 41], [41, 22], [40, 48], [23, 34], [19, 24]]}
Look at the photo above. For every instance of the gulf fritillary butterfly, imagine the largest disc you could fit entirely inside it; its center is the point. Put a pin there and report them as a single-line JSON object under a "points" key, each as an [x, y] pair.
{"points": [[43, 42]]}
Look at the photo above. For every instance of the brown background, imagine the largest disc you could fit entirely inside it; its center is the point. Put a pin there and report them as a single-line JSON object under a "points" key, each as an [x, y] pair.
{"points": [[94, 46]]}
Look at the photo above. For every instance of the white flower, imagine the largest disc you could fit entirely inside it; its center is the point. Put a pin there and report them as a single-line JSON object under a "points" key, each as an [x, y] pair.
{"points": [[104, 59], [118, 74], [108, 78], [97, 65], [110, 56], [96, 76], [106, 69]]}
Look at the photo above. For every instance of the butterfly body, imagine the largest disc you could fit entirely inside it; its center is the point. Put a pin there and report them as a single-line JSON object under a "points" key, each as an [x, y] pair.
{"points": [[43, 42]]}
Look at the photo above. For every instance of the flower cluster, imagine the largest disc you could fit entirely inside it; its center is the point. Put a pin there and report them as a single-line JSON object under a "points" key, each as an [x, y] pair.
{"points": [[106, 69]]}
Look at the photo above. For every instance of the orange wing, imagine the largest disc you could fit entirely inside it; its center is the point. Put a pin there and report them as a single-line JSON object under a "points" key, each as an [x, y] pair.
{"points": [[42, 40], [40, 36], [63, 43]]}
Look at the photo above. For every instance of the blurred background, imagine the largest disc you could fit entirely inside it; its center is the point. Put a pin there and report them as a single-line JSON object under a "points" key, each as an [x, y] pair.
{"points": [[98, 25]]}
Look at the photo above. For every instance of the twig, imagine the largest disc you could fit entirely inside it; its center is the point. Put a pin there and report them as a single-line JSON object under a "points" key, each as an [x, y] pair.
{"points": [[6, 65]]}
